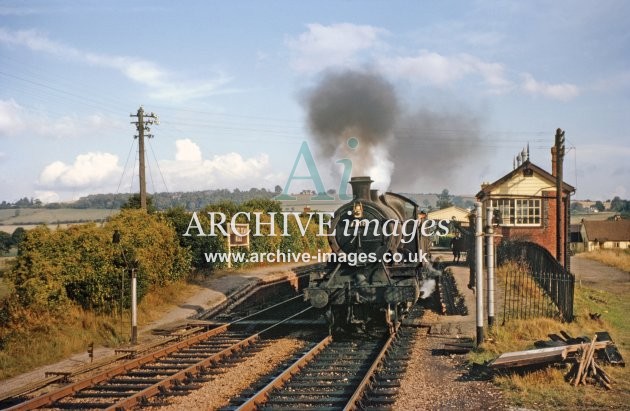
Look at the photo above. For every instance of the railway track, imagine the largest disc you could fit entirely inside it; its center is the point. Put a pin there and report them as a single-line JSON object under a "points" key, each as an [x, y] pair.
{"points": [[337, 373], [172, 370], [255, 293], [248, 299]]}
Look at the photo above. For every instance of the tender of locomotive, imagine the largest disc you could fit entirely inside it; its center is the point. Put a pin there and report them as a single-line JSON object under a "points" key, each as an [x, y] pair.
{"points": [[378, 273]]}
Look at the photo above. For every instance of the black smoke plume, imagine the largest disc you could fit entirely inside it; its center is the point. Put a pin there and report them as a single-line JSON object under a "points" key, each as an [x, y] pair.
{"points": [[432, 149], [352, 104], [414, 148]]}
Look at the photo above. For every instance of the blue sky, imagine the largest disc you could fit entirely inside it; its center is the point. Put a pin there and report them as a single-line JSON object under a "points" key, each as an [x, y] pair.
{"points": [[227, 80]]}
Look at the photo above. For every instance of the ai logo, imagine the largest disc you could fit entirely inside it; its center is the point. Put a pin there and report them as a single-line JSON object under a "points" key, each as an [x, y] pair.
{"points": [[313, 174]]}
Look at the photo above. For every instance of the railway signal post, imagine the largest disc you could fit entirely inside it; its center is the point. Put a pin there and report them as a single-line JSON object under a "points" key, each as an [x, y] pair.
{"points": [[490, 263], [479, 269]]}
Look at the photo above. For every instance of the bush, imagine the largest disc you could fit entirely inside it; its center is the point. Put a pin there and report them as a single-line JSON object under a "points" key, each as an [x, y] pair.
{"points": [[81, 264], [199, 245]]}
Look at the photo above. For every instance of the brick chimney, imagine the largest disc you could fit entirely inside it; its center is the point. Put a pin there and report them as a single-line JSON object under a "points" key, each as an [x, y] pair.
{"points": [[554, 161]]}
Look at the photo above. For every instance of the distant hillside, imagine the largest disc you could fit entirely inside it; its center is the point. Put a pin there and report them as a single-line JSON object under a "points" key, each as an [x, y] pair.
{"points": [[190, 200]]}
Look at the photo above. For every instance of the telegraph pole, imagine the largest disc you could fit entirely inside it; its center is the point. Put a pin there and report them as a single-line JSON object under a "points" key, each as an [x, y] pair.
{"points": [[559, 214], [142, 125]]}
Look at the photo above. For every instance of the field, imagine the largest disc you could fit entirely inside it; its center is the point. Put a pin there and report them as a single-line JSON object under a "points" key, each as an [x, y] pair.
{"points": [[10, 219]]}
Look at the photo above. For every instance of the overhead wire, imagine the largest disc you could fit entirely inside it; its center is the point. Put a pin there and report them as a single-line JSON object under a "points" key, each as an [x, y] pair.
{"points": [[158, 166], [122, 176]]}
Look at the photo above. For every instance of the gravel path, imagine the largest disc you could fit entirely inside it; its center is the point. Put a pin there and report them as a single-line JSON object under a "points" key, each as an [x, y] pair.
{"points": [[600, 276], [440, 382]]}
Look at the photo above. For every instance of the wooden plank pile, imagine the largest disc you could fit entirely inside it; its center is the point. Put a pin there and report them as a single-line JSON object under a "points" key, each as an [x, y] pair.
{"points": [[581, 353], [585, 369]]}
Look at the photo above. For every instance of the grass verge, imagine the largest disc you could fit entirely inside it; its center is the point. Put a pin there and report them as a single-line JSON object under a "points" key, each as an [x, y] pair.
{"points": [[52, 339], [615, 258], [546, 388]]}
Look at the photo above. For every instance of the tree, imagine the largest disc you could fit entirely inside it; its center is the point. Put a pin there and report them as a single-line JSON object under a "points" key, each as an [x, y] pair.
{"points": [[577, 207], [599, 206], [18, 235], [619, 205], [444, 199], [134, 203], [277, 189], [5, 242]]}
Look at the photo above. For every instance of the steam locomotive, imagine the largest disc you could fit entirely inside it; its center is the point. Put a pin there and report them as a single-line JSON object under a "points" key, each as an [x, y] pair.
{"points": [[380, 264]]}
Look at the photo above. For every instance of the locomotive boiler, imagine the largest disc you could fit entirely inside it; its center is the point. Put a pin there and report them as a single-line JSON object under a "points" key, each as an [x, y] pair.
{"points": [[379, 260]]}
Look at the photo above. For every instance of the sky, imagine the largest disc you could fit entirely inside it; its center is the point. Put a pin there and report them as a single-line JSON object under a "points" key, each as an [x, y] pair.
{"points": [[230, 83]]}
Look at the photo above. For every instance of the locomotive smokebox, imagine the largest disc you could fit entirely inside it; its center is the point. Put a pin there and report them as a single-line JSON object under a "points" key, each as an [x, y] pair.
{"points": [[361, 187]]}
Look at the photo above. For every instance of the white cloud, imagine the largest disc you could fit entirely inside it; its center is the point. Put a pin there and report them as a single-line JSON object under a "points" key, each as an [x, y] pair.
{"points": [[186, 150], [335, 45], [562, 91], [97, 172], [163, 84], [10, 119], [190, 171], [90, 170], [436, 69], [353, 46], [18, 120]]}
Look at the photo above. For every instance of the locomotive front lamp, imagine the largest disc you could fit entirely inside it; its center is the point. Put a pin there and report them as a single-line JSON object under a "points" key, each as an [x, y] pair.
{"points": [[358, 210]]}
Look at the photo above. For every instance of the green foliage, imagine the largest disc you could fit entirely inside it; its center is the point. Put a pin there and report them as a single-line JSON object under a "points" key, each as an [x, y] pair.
{"points": [[153, 242], [6, 241], [199, 245], [133, 203], [599, 206], [266, 205], [444, 200], [18, 235], [82, 265], [622, 206]]}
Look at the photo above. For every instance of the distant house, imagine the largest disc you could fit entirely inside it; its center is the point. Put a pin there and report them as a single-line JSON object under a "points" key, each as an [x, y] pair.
{"points": [[606, 234], [575, 238], [577, 218], [526, 200], [450, 213]]}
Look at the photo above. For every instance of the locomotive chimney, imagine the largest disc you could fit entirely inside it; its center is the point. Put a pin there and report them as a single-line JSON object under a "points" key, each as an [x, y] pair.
{"points": [[361, 187]]}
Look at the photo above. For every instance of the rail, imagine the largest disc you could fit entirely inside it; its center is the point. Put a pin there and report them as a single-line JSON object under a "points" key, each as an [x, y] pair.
{"points": [[263, 395], [165, 383]]}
